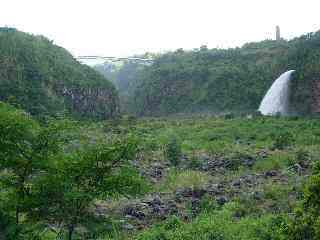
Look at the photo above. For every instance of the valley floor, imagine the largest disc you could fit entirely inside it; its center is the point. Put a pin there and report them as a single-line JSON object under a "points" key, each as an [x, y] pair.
{"points": [[237, 178], [205, 178]]}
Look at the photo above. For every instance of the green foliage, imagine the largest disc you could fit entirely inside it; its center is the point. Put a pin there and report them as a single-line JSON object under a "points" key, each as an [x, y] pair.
{"points": [[306, 221], [45, 79], [219, 80], [276, 161], [220, 225], [206, 80], [173, 151], [45, 184], [283, 140], [184, 179]]}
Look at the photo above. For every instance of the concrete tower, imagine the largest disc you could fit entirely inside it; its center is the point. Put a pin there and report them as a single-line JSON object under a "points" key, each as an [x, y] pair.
{"points": [[278, 36]]}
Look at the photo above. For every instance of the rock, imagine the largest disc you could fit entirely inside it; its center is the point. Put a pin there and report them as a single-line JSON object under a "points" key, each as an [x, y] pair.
{"points": [[195, 206], [297, 168], [172, 207], [204, 157], [158, 210], [271, 173], [236, 183], [156, 201], [250, 179], [189, 192], [257, 195], [183, 193], [263, 154], [248, 161], [213, 189], [222, 200], [134, 212], [128, 227], [156, 171]]}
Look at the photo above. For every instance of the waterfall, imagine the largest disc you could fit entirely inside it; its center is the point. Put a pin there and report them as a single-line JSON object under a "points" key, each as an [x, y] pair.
{"points": [[276, 100]]}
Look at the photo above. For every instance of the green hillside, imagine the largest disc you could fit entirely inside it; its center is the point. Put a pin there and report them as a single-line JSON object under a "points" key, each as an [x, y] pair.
{"points": [[221, 80], [44, 79]]}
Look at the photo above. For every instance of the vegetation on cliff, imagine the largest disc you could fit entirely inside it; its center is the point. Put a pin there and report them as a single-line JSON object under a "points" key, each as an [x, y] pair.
{"points": [[44, 79], [221, 80], [198, 178]]}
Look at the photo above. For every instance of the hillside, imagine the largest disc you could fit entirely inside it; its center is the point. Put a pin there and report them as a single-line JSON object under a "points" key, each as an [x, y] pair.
{"points": [[222, 80], [150, 179], [44, 79], [197, 177]]}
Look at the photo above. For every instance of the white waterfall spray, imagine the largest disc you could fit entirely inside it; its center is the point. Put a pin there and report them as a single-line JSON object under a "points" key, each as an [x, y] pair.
{"points": [[276, 101]]}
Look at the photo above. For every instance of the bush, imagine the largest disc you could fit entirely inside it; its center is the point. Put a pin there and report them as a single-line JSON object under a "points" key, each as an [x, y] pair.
{"points": [[283, 140], [173, 151], [306, 223], [220, 225]]}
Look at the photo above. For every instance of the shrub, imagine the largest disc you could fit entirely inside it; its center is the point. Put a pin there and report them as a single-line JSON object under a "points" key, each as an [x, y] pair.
{"points": [[173, 151], [276, 161], [306, 223], [220, 225], [283, 140], [194, 162]]}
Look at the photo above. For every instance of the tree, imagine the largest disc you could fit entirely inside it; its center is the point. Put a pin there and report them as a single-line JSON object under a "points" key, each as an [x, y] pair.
{"points": [[46, 185], [63, 197], [306, 223], [26, 150]]}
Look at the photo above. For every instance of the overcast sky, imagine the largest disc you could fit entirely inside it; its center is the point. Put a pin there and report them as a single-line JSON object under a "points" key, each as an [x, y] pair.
{"points": [[126, 27]]}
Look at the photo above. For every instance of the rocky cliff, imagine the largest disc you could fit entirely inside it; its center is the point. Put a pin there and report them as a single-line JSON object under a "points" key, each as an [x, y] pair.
{"points": [[45, 79]]}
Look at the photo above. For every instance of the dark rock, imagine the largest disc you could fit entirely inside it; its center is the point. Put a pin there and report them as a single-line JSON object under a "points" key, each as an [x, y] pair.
{"points": [[213, 190], [297, 168], [172, 207], [132, 211], [257, 195], [248, 161], [156, 201], [271, 173], [236, 183], [159, 211], [195, 206], [189, 192], [222, 200], [156, 171]]}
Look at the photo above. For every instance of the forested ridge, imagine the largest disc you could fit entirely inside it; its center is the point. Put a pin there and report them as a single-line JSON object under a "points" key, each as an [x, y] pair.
{"points": [[44, 79], [196, 177], [220, 80]]}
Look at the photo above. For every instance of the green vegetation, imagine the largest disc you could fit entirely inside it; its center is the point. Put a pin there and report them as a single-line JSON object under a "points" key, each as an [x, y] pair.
{"points": [[45, 79], [220, 80], [173, 151], [48, 188], [63, 179], [233, 176]]}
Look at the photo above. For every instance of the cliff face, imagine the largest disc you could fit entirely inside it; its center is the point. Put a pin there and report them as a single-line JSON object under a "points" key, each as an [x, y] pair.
{"points": [[315, 107], [45, 79], [96, 102]]}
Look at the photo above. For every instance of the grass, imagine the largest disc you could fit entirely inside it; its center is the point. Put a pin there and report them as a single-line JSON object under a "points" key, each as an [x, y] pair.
{"points": [[231, 139], [278, 160], [218, 224], [184, 179]]}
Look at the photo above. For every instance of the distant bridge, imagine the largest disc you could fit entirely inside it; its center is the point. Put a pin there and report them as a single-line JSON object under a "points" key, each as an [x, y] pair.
{"points": [[116, 59]]}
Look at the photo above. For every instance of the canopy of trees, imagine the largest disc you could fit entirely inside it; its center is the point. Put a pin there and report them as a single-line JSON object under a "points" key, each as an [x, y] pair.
{"points": [[48, 186], [219, 80], [44, 79]]}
